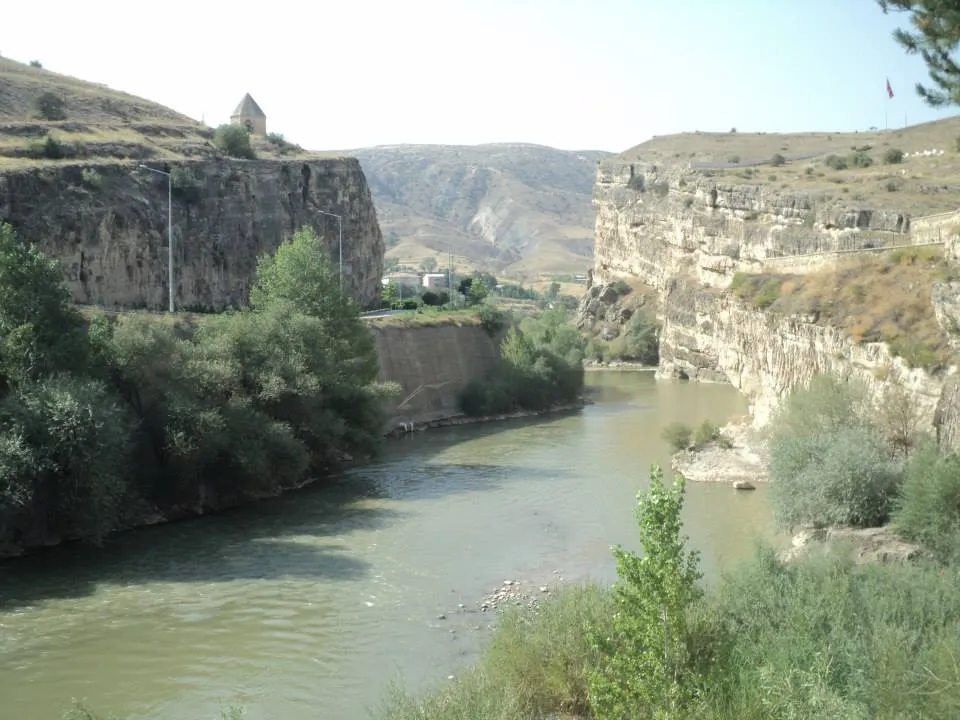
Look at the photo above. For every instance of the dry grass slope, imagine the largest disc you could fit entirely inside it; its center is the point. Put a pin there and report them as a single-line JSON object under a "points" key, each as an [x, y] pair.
{"points": [[918, 185], [874, 298], [99, 124]]}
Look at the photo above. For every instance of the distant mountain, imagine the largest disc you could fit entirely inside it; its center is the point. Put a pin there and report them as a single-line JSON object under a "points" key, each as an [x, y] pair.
{"points": [[514, 209]]}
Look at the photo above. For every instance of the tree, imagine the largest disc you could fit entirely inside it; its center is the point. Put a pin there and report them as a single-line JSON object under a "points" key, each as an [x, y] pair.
{"points": [[234, 140], [936, 37], [40, 333], [646, 671], [301, 277], [429, 264], [554, 290]]}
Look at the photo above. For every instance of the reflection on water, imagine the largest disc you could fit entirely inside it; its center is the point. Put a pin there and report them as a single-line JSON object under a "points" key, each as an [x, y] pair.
{"points": [[307, 605]]}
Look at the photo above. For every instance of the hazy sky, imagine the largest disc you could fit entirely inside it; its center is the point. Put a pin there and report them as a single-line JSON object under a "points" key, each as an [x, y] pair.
{"points": [[575, 74]]}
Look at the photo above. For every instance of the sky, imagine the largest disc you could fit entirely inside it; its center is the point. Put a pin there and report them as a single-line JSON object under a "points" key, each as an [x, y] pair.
{"points": [[572, 74]]}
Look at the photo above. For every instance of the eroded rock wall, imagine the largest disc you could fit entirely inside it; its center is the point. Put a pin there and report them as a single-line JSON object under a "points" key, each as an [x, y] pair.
{"points": [[686, 236], [107, 224]]}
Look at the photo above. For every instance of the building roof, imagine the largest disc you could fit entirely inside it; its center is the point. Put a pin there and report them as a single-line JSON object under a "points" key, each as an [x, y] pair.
{"points": [[248, 108]]}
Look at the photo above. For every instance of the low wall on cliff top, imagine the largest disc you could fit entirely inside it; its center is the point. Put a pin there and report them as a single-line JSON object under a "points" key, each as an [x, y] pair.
{"points": [[432, 364]]}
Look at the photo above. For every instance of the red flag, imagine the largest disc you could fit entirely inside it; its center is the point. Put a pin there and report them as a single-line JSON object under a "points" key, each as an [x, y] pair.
{"points": [[889, 89]]}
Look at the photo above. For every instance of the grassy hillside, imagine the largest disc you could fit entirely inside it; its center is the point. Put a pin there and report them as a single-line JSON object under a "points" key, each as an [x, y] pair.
{"points": [[513, 209], [96, 123], [917, 185]]}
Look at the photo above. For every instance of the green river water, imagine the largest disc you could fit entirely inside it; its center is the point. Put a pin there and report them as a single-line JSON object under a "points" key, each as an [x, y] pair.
{"points": [[307, 606]]}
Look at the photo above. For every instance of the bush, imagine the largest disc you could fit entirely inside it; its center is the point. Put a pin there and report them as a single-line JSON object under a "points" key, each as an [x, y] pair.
{"points": [[493, 319], [928, 508], [50, 106], [828, 466], [777, 160], [185, 185], [677, 436], [861, 159], [705, 433], [893, 156], [541, 366], [835, 162], [234, 140]]}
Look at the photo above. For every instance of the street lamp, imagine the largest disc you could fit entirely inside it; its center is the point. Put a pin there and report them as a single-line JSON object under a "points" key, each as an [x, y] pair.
{"points": [[169, 228], [340, 242]]}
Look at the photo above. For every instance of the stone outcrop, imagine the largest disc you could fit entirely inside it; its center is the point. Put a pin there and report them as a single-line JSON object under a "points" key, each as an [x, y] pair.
{"points": [[686, 236], [107, 224]]}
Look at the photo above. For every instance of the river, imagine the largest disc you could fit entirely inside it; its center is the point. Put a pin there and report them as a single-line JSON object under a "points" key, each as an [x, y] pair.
{"points": [[307, 606]]}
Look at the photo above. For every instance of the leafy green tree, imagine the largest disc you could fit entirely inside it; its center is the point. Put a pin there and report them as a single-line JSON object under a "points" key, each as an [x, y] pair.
{"points": [[646, 669], [429, 264], [301, 276], [40, 333], [936, 38], [234, 140], [65, 451], [390, 295]]}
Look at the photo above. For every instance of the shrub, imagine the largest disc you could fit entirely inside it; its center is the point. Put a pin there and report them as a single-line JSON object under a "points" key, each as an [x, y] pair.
{"points": [[861, 159], [677, 435], [734, 159], [828, 466], [893, 156], [233, 140], [50, 106], [541, 366], [705, 433], [185, 185], [835, 162], [777, 160], [493, 319], [621, 287], [638, 341], [928, 507]]}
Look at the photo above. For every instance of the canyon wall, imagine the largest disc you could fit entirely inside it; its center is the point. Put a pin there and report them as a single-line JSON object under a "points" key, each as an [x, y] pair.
{"points": [[107, 224], [686, 236], [432, 364]]}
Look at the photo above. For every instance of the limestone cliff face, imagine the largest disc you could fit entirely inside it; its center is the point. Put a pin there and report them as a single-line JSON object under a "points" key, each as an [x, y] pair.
{"points": [[107, 224], [708, 335], [657, 222], [432, 364], [686, 236]]}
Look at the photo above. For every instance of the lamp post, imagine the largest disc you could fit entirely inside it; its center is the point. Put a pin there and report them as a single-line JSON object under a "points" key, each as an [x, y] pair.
{"points": [[339, 242], [169, 228]]}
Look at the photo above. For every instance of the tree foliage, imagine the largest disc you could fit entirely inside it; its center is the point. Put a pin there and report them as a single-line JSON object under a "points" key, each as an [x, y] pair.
{"points": [[829, 465], [134, 414], [646, 670], [541, 366], [935, 36]]}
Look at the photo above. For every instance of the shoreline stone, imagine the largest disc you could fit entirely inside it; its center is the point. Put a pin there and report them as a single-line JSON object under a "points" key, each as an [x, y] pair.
{"points": [[869, 545], [743, 464]]}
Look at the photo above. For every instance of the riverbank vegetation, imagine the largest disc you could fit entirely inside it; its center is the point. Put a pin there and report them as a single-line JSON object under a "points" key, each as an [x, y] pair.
{"points": [[108, 420], [541, 367], [815, 637]]}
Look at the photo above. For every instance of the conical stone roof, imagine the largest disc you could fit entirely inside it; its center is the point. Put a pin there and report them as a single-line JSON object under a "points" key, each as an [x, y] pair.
{"points": [[248, 108]]}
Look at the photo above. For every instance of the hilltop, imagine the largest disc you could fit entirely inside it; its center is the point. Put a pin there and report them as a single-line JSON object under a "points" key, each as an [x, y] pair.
{"points": [[97, 123], [516, 209], [917, 185]]}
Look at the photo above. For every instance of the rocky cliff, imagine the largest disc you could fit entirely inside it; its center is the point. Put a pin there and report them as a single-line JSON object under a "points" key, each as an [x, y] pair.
{"points": [[691, 237], [107, 223], [432, 364]]}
